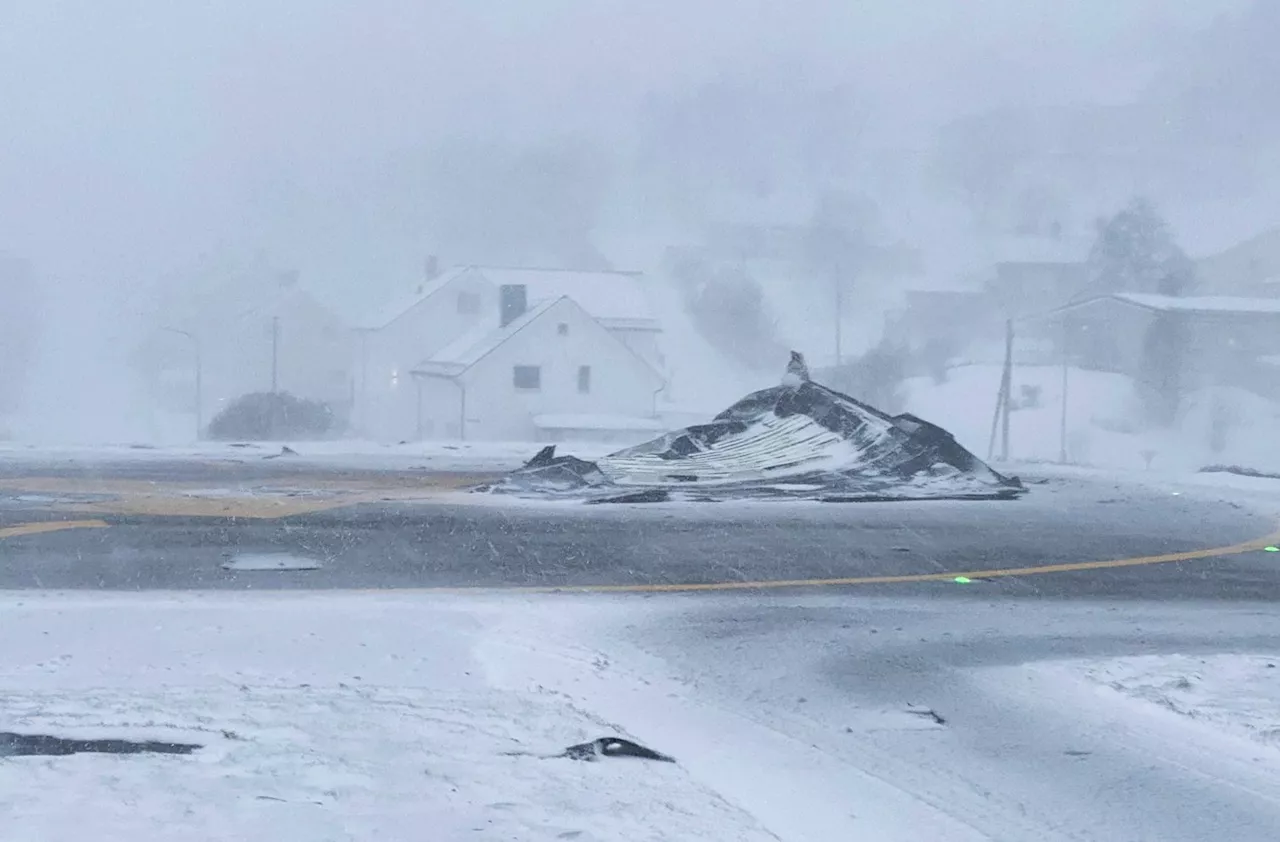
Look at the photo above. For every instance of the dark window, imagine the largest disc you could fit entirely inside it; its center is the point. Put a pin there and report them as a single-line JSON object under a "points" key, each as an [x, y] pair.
{"points": [[527, 377], [562, 329], [513, 301], [584, 378], [468, 303]]}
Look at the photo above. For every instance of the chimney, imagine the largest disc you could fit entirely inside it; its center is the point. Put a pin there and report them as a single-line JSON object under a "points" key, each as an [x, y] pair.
{"points": [[513, 300], [432, 267]]}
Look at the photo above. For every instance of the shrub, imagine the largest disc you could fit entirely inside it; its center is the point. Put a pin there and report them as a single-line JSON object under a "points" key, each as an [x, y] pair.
{"points": [[261, 416]]}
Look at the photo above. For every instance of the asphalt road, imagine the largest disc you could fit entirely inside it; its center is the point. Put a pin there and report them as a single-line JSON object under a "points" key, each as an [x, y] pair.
{"points": [[159, 526]]}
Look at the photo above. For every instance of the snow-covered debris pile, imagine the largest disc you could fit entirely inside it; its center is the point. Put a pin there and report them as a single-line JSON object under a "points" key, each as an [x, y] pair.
{"points": [[799, 440]]}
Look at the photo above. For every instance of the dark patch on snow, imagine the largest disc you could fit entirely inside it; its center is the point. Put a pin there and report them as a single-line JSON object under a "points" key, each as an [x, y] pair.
{"points": [[928, 713], [44, 745], [614, 747], [649, 495], [1238, 469]]}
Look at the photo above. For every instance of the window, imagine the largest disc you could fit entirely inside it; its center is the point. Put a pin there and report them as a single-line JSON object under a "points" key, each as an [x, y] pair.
{"points": [[562, 329], [527, 377], [468, 303], [584, 379]]}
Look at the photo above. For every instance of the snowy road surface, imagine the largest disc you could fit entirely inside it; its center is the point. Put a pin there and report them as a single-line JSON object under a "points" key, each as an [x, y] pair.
{"points": [[1108, 678], [414, 530]]}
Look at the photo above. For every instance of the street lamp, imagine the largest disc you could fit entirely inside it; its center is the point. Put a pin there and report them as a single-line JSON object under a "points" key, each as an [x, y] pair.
{"points": [[195, 344]]}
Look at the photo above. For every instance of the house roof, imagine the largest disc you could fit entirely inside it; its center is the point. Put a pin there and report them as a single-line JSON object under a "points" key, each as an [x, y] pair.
{"points": [[607, 295], [397, 307], [615, 299], [273, 304], [1201, 303], [464, 352], [474, 345]]}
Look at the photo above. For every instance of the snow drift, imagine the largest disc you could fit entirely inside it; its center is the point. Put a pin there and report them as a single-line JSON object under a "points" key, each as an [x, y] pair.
{"points": [[799, 440]]}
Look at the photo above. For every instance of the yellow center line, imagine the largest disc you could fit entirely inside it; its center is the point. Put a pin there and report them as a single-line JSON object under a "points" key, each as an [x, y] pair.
{"points": [[763, 584], [1254, 545], [50, 526]]}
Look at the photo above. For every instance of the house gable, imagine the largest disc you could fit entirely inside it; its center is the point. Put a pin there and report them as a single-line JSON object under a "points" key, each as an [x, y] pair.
{"points": [[580, 368]]}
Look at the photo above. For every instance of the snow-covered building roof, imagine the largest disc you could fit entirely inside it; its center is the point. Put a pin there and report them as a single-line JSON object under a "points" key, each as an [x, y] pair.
{"points": [[616, 299], [613, 298], [394, 309], [1200, 303], [474, 345]]}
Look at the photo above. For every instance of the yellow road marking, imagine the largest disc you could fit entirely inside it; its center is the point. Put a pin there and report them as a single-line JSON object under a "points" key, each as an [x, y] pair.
{"points": [[1066, 567], [267, 499], [299, 507], [49, 526]]}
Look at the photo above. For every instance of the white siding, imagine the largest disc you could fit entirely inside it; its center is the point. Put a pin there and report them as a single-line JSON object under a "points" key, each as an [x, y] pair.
{"points": [[644, 342], [385, 392], [621, 382]]}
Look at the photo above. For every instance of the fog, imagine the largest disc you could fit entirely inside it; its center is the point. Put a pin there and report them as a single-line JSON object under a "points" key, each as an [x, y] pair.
{"points": [[156, 156]]}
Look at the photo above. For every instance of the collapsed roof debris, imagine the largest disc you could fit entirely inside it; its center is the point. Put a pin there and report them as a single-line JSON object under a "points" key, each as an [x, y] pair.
{"points": [[799, 440]]}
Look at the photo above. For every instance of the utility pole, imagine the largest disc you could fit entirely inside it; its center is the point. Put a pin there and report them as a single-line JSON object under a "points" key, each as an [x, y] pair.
{"points": [[1006, 386], [1062, 429], [275, 354]]}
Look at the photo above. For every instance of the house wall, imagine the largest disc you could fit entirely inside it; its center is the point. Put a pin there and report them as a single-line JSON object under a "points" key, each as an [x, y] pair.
{"points": [[644, 342], [385, 393], [1105, 336], [1222, 348], [1020, 289], [621, 383]]}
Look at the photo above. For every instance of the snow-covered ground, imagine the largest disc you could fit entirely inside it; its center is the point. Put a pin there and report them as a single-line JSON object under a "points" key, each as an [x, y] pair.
{"points": [[1229, 694], [354, 716], [343, 453], [1102, 420], [322, 718]]}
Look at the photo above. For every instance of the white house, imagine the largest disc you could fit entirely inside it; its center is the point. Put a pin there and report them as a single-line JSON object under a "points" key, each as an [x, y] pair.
{"points": [[550, 371], [417, 356]]}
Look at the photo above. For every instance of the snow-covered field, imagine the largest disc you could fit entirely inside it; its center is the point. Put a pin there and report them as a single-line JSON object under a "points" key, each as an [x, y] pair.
{"points": [[322, 718], [345, 453], [355, 716], [1230, 694]]}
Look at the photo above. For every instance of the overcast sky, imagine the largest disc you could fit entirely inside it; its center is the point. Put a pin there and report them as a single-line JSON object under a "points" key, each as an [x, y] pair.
{"points": [[135, 133]]}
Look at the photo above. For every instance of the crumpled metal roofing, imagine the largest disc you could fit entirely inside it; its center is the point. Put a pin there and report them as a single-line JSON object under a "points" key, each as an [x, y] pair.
{"points": [[796, 441]]}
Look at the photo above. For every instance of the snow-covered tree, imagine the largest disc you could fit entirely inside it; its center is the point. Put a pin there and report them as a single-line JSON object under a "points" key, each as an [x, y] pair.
{"points": [[728, 308], [1135, 252]]}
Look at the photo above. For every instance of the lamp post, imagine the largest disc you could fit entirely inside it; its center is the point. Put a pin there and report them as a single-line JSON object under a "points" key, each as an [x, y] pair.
{"points": [[195, 344]]}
